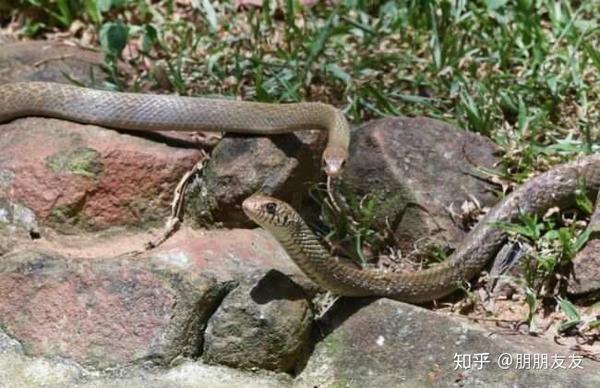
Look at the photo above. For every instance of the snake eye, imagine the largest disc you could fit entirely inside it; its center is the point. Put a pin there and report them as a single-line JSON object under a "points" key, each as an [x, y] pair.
{"points": [[271, 208]]}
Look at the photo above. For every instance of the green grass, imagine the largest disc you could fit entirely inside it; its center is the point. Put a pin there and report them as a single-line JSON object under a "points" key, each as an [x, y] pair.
{"points": [[524, 72]]}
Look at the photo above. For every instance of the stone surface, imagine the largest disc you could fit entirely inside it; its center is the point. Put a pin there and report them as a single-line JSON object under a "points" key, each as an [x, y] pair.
{"points": [[49, 61], [241, 166], [19, 370], [424, 162], [83, 176], [585, 275], [392, 344], [264, 323], [103, 312], [228, 255]]}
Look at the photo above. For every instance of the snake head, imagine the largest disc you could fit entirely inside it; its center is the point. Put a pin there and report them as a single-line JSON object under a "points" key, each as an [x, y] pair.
{"points": [[269, 212], [334, 160]]}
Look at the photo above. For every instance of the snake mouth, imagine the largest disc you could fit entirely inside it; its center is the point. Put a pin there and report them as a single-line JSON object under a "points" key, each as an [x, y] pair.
{"points": [[334, 160], [259, 208], [249, 206], [268, 212]]}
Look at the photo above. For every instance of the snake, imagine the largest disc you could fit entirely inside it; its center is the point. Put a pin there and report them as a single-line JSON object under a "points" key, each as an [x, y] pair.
{"points": [[555, 187], [158, 112], [148, 112]]}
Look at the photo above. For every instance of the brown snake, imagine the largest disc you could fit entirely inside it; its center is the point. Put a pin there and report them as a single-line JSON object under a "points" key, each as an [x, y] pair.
{"points": [[162, 112], [553, 188], [153, 112]]}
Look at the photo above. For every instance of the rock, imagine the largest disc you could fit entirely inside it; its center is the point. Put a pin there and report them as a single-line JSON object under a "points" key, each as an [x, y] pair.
{"points": [[384, 343], [17, 223], [19, 370], [49, 61], [241, 166], [264, 324], [236, 334], [85, 177], [420, 163], [103, 312], [228, 255], [585, 275]]}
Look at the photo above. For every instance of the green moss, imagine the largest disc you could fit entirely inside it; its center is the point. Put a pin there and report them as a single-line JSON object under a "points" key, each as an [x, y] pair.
{"points": [[79, 161], [70, 215], [147, 212], [200, 198]]}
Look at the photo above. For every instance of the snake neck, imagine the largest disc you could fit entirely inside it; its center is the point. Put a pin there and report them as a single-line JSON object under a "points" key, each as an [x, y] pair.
{"points": [[309, 254]]}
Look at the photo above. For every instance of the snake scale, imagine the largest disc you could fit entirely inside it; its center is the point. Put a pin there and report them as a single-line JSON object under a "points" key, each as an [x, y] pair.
{"points": [[162, 112], [154, 112], [553, 188]]}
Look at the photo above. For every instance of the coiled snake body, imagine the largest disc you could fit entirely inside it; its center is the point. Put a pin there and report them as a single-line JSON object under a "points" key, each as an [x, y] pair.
{"points": [[553, 188], [152, 112]]}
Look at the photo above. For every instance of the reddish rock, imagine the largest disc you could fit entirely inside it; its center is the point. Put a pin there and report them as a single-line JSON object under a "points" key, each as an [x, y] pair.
{"points": [[88, 311], [113, 311], [87, 176], [384, 343], [103, 312]]}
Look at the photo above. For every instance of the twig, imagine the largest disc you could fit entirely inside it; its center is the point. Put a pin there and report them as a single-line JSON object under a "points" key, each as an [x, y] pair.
{"points": [[177, 204], [55, 58], [331, 195]]}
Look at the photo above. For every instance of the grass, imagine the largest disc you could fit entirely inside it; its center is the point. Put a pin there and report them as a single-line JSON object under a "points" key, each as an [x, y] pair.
{"points": [[524, 73]]}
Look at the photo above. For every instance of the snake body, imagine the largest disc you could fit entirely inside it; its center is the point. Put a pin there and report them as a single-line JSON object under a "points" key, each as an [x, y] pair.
{"points": [[152, 112], [553, 188], [162, 112]]}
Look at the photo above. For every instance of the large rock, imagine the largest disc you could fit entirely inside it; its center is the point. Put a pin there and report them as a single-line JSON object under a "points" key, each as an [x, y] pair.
{"points": [[392, 344], [585, 274], [82, 176], [19, 370], [241, 166], [423, 166], [264, 323], [103, 312], [88, 307]]}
